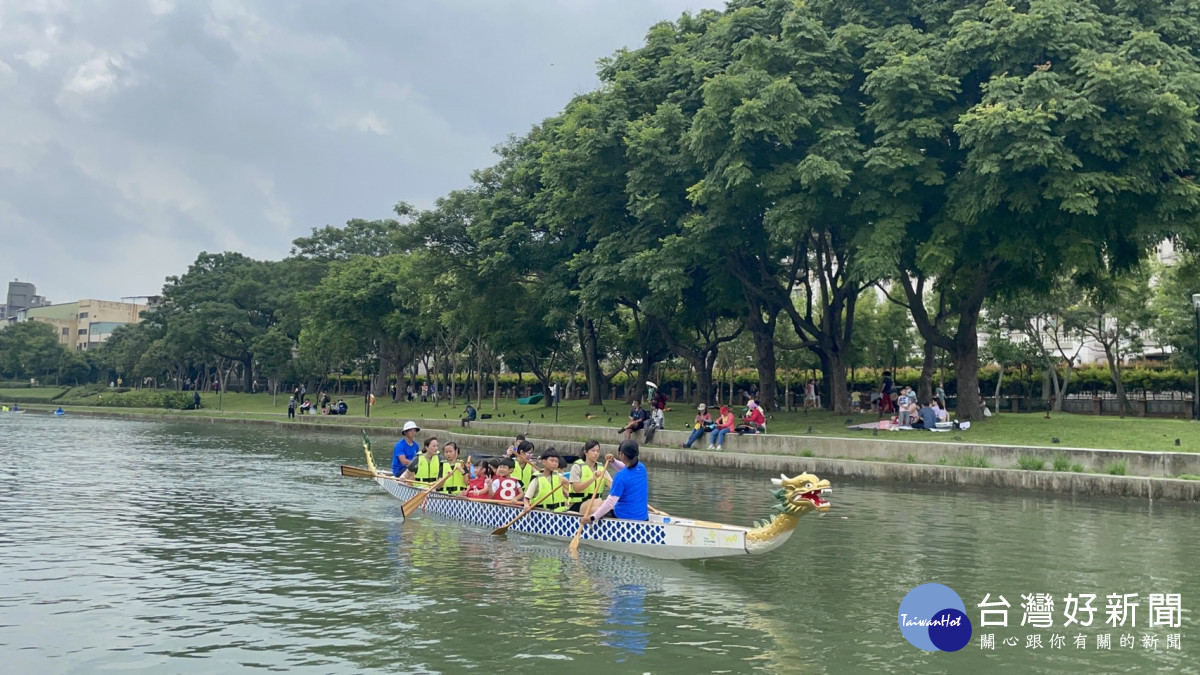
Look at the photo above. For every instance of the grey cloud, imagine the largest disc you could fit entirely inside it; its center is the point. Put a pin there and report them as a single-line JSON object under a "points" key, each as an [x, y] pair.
{"points": [[131, 137]]}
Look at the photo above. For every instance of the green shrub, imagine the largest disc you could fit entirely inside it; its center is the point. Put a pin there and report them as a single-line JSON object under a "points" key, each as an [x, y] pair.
{"points": [[806, 453], [974, 461], [147, 398], [1189, 476], [1076, 468], [911, 459], [1031, 463], [1116, 468], [1061, 463]]}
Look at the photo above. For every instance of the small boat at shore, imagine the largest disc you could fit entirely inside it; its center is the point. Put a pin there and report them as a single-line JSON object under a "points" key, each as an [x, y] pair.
{"points": [[662, 536]]}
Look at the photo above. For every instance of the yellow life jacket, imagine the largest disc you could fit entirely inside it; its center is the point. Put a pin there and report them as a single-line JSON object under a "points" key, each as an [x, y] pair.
{"points": [[428, 470], [556, 501], [456, 483], [523, 473], [585, 474]]}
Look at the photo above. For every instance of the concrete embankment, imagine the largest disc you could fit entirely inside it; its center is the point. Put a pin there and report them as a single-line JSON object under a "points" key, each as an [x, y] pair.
{"points": [[1149, 475]]}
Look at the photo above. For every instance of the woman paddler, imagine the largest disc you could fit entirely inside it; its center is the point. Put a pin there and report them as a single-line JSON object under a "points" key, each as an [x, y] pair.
{"points": [[427, 468], [630, 492], [584, 476]]}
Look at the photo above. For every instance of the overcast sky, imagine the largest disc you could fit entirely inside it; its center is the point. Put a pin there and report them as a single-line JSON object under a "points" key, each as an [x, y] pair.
{"points": [[134, 135]]}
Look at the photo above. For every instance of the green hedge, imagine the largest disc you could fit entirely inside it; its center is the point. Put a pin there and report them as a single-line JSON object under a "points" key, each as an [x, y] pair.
{"points": [[147, 398]]}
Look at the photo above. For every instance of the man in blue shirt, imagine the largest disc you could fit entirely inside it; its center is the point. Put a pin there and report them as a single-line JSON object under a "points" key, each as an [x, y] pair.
{"points": [[630, 493], [405, 450]]}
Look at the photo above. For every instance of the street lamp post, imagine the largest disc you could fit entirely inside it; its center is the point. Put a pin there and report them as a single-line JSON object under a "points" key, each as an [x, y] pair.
{"points": [[1196, 395], [895, 356]]}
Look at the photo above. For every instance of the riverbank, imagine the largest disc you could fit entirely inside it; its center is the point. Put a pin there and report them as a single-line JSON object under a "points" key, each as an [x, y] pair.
{"points": [[1111, 473]]}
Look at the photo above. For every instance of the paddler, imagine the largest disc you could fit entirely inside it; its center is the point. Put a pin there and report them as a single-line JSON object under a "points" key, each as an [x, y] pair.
{"points": [[550, 489], [523, 469], [630, 494], [428, 466], [584, 475], [458, 481]]}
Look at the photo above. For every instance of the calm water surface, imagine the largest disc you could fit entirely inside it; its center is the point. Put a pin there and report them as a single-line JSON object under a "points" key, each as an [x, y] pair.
{"points": [[167, 548]]}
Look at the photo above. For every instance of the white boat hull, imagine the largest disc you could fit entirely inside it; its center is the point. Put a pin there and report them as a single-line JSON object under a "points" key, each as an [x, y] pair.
{"points": [[661, 537]]}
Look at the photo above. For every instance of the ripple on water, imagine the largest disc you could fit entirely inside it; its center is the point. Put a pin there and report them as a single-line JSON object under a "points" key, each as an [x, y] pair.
{"points": [[173, 548]]}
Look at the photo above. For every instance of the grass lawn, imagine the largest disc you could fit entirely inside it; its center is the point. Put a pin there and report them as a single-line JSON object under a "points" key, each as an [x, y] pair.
{"points": [[31, 394], [1080, 431]]}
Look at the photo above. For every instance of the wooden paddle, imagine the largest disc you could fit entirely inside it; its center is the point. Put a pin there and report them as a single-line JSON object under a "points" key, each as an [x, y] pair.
{"points": [[504, 528], [573, 547], [408, 507], [355, 472]]}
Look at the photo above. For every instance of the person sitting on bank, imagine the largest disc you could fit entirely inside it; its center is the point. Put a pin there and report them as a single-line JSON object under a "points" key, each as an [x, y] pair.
{"points": [[754, 422], [305, 407], [550, 490], [637, 420], [701, 425], [942, 414], [630, 494], [457, 482], [926, 418], [584, 476], [724, 425], [504, 486], [523, 469], [341, 407], [405, 450], [469, 415], [428, 466]]}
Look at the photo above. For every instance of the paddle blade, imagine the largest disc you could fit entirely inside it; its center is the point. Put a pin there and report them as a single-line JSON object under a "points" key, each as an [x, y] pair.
{"points": [[573, 547], [355, 472], [410, 506]]}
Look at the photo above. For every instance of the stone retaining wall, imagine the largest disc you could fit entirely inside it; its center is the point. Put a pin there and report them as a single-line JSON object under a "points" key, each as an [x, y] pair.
{"points": [[787, 458], [908, 447]]}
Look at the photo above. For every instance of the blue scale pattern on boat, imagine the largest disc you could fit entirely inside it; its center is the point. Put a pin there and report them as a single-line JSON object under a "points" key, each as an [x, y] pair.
{"points": [[540, 522]]}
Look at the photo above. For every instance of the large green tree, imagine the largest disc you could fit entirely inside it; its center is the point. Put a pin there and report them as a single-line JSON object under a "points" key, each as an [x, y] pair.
{"points": [[1011, 143]]}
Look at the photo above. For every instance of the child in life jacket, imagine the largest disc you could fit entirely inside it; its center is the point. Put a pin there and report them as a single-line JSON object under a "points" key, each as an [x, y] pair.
{"points": [[480, 487]]}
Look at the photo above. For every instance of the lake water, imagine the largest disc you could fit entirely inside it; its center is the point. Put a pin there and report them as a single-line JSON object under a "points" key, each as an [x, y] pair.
{"points": [[166, 548]]}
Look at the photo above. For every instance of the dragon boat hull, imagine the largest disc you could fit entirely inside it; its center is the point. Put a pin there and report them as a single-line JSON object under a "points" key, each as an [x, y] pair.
{"points": [[664, 537]]}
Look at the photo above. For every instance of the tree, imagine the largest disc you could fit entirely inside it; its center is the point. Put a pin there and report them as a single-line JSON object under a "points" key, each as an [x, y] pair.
{"points": [[273, 352], [29, 349], [1012, 143], [1115, 313]]}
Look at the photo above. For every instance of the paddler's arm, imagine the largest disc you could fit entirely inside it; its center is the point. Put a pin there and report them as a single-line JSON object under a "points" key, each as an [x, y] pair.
{"points": [[605, 506]]}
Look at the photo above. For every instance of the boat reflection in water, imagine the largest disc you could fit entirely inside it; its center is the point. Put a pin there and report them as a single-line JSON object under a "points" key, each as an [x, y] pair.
{"points": [[523, 593]]}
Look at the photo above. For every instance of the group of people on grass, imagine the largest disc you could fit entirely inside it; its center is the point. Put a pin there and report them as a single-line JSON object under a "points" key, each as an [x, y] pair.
{"points": [[753, 422], [305, 406], [584, 487]]}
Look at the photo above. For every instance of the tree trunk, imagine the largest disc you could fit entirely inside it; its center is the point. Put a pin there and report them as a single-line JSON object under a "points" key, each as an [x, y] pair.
{"points": [[928, 364], [763, 331], [1114, 370], [591, 361], [999, 381], [966, 374]]}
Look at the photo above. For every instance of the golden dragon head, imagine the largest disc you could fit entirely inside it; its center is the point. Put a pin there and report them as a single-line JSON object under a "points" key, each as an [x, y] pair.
{"points": [[801, 494]]}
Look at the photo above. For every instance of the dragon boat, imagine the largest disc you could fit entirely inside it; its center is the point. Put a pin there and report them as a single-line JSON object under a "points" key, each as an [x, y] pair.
{"points": [[662, 536]]}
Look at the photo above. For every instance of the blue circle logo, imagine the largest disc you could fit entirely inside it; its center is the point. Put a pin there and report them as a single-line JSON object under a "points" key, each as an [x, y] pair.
{"points": [[933, 618]]}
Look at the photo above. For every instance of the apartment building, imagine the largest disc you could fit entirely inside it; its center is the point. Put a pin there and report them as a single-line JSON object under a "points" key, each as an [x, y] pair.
{"points": [[86, 323]]}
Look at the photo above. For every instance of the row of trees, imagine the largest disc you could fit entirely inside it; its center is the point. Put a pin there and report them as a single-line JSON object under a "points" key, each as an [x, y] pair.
{"points": [[753, 174]]}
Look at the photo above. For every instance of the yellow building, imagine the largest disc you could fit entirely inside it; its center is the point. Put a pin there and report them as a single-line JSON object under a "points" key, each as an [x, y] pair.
{"points": [[84, 324]]}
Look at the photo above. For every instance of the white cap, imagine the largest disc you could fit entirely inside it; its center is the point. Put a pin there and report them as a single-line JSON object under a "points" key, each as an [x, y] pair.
{"points": [[410, 425]]}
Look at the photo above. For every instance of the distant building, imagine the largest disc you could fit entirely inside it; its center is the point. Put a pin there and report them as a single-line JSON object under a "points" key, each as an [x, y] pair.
{"points": [[84, 324], [21, 295]]}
